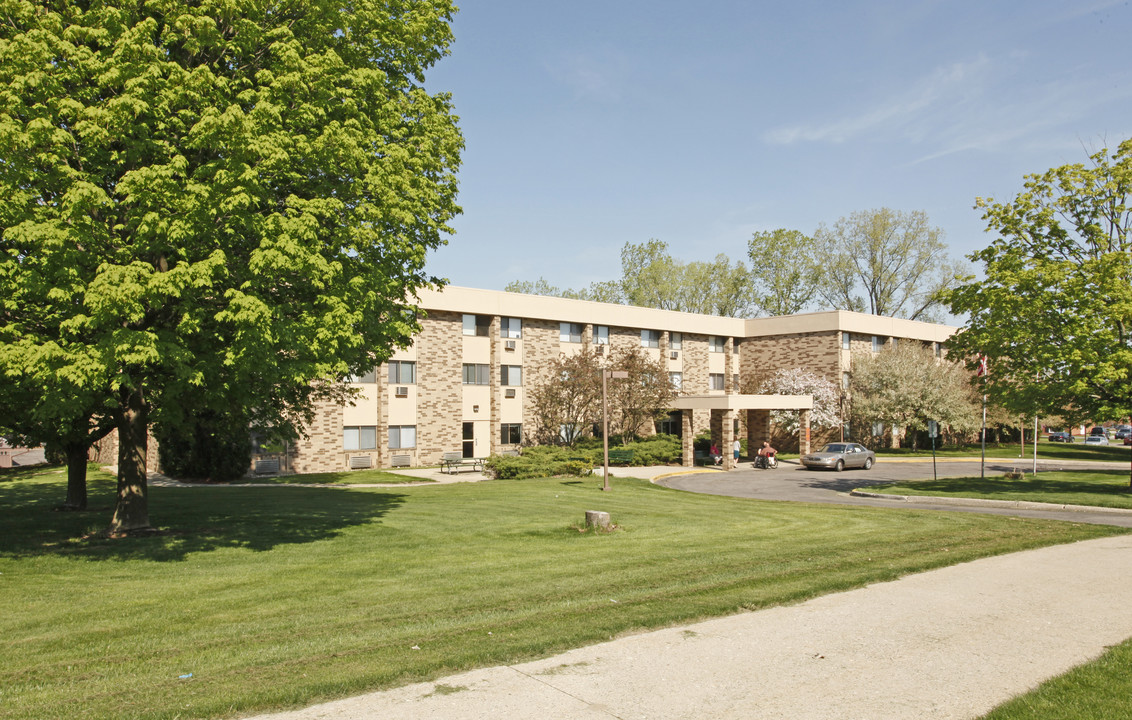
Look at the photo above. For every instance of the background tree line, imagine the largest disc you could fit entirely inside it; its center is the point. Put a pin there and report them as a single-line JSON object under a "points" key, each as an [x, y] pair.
{"points": [[883, 262]]}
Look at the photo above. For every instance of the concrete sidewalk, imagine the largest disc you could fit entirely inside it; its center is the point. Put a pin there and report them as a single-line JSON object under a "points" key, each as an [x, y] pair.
{"points": [[949, 643]]}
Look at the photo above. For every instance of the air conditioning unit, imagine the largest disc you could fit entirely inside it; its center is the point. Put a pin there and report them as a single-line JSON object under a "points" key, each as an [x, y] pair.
{"points": [[360, 461], [402, 392], [509, 345], [599, 349], [675, 355], [510, 392]]}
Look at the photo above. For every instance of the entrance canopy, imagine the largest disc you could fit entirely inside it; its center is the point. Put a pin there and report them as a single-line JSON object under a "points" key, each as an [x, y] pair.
{"points": [[743, 402]]}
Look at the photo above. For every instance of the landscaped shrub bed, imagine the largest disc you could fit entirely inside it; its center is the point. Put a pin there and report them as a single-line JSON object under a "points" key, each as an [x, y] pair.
{"points": [[550, 460]]}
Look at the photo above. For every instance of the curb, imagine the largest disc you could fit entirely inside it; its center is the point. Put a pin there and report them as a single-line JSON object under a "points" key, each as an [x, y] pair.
{"points": [[979, 502]]}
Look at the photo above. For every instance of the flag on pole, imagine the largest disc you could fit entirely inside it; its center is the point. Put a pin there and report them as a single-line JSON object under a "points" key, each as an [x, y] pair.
{"points": [[982, 369]]}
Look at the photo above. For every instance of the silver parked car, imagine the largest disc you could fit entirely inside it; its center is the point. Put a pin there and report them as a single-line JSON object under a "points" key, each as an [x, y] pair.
{"points": [[838, 456], [1096, 440]]}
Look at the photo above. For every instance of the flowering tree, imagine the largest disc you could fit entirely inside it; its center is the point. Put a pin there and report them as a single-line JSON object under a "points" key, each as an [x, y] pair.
{"points": [[800, 381], [906, 386]]}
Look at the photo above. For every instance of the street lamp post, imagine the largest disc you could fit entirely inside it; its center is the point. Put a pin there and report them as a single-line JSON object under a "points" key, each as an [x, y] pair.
{"points": [[617, 375]]}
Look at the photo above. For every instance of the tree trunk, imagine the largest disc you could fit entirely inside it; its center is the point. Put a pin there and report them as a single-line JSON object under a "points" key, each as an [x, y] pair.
{"points": [[76, 476], [131, 511]]}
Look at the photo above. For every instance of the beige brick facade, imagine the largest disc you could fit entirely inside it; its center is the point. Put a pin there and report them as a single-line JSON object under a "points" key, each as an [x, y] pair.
{"points": [[442, 408]]}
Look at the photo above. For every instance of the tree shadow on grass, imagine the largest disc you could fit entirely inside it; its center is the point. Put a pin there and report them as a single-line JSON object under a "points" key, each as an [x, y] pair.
{"points": [[187, 520]]}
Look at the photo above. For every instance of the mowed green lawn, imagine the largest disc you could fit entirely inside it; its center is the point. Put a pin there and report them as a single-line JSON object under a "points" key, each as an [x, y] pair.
{"points": [[259, 598], [1101, 488]]}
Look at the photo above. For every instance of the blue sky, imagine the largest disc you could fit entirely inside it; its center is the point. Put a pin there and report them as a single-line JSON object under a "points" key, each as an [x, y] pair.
{"points": [[594, 123]]}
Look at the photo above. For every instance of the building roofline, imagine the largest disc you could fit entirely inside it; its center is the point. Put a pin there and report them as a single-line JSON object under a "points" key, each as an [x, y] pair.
{"points": [[477, 301]]}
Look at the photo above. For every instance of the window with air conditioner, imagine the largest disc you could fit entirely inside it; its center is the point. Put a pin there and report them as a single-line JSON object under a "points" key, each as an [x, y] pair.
{"points": [[675, 355], [402, 436], [402, 391], [402, 372], [509, 344], [511, 327], [509, 392], [363, 437]]}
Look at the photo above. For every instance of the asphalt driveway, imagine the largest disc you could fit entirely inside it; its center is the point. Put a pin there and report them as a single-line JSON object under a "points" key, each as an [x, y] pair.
{"points": [[791, 482]]}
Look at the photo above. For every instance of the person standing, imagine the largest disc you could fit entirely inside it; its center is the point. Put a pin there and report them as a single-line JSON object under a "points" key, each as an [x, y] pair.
{"points": [[736, 450]]}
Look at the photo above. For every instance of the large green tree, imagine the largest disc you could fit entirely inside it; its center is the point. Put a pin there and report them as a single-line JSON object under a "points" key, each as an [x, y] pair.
{"points": [[651, 277], [223, 201], [1053, 313], [885, 262], [785, 270]]}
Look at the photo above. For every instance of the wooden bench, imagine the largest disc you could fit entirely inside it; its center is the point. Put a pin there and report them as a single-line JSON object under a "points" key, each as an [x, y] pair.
{"points": [[454, 462]]}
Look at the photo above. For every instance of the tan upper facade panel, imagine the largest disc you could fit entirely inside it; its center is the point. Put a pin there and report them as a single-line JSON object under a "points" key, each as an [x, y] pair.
{"points": [[553, 309]]}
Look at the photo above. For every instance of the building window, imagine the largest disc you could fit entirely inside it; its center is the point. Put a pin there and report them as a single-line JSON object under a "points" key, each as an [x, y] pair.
{"points": [[402, 436], [676, 341], [878, 429], [510, 375], [650, 338], [735, 382], [477, 374], [477, 325], [846, 338], [362, 437], [716, 344], [402, 372], [716, 381], [369, 377], [672, 424], [511, 328], [511, 433], [844, 381], [570, 332], [937, 348], [877, 343], [676, 379], [601, 334], [893, 341]]}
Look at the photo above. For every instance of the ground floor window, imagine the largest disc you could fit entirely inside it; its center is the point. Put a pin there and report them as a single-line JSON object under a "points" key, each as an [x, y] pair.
{"points": [[511, 433], [402, 436], [362, 437], [672, 424]]}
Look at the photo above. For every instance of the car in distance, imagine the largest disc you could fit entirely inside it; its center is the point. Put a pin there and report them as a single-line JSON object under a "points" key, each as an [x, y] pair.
{"points": [[1096, 440], [1122, 432], [840, 455], [1098, 430], [1060, 436]]}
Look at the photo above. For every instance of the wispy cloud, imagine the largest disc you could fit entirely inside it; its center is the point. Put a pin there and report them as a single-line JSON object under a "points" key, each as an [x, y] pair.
{"points": [[596, 75], [943, 87]]}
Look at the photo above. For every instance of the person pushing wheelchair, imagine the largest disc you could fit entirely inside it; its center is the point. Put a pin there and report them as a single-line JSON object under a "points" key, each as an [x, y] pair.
{"points": [[766, 456]]}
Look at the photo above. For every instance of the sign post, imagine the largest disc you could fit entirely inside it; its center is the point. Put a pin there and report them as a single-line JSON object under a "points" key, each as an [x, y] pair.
{"points": [[933, 431]]}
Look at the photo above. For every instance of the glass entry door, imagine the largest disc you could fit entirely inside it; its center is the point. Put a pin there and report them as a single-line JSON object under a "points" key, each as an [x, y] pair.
{"points": [[469, 439]]}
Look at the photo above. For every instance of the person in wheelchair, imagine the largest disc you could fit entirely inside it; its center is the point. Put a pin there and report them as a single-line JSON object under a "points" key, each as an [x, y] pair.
{"points": [[766, 456]]}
